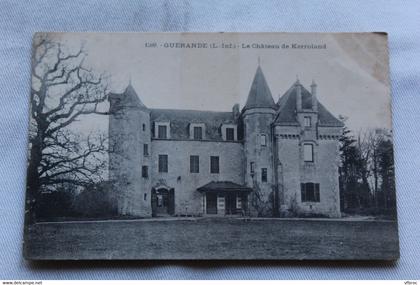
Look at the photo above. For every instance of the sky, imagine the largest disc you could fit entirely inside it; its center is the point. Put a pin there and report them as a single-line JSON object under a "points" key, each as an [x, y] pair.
{"points": [[352, 73]]}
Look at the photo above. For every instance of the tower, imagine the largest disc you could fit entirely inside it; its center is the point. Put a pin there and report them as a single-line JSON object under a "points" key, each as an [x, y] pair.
{"points": [[306, 154], [130, 150], [257, 116]]}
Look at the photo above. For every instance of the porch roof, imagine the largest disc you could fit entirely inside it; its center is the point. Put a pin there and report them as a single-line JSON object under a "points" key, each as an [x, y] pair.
{"points": [[223, 186]]}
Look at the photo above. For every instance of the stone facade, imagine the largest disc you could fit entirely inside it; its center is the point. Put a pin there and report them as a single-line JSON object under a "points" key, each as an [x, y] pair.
{"points": [[126, 158], [187, 199], [268, 159]]}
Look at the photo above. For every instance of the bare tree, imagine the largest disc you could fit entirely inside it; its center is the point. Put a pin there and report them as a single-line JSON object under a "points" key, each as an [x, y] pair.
{"points": [[365, 147], [63, 89], [72, 158], [374, 141], [262, 204], [369, 143]]}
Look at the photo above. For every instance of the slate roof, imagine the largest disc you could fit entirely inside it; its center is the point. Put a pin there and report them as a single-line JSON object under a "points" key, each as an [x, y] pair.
{"points": [[181, 119], [286, 114], [128, 97], [259, 95], [225, 186]]}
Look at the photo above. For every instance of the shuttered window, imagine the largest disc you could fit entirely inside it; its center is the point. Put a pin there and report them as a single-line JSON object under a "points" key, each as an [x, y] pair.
{"points": [[198, 133], [230, 134], [163, 163], [310, 192], [214, 164], [162, 132], [194, 164]]}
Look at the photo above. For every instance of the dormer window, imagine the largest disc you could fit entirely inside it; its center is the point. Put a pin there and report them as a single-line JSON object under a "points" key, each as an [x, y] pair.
{"points": [[197, 131], [307, 122], [230, 134], [162, 130]]}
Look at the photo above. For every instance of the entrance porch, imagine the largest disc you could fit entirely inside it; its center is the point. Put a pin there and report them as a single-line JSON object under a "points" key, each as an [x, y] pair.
{"points": [[163, 201], [224, 198]]}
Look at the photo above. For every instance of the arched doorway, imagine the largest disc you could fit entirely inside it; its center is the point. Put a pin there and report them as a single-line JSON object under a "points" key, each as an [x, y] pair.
{"points": [[163, 202]]}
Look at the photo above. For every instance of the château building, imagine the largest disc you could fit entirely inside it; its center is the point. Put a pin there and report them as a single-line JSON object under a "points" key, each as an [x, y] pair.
{"points": [[267, 158]]}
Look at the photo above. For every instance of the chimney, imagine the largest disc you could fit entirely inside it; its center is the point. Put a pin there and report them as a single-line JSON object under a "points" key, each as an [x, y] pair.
{"points": [[235, 111], [314, 99], [298, 96]]}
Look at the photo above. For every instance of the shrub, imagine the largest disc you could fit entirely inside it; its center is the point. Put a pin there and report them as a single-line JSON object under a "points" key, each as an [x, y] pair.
{"points": [[95, 201]]}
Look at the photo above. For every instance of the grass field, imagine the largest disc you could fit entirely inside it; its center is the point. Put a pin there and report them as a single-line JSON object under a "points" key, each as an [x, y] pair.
{"points": [[223, 238]]}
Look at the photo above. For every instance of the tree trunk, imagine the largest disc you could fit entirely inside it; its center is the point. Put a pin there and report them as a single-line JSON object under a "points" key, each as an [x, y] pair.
{"points": [[33, 183]]}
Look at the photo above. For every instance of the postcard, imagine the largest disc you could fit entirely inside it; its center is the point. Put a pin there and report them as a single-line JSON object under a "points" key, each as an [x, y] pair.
{"points": [[199, 146]]}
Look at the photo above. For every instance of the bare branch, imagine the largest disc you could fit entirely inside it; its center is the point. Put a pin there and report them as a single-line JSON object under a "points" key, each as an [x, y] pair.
{"points": [[63, 89]]}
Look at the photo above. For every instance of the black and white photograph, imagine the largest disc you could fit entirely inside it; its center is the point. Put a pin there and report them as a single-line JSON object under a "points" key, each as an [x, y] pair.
{"points": [[206, 146]]}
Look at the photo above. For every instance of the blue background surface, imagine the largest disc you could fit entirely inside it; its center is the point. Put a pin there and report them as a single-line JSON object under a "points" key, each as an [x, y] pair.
{"points": [[19, 20]]}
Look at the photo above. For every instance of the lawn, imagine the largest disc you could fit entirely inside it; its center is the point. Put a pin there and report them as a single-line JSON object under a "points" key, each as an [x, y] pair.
{"points": [[222, 238]]}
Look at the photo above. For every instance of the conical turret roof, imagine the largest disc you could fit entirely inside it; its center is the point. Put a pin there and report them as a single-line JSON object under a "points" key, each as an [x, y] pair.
{"points": [[260, 95], [131, 96]]}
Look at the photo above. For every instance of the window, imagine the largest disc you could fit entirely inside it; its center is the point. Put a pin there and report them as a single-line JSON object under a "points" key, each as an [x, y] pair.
{"points": [[214, 164], [145, 149], [238, 202], [221, 204], [230, 134], [144, 127], [163, 163], [307, 122], [263, 139], [145, 197], [252, 166], [144, 171], [308, 152], [263, 174], [162, 132], [198, 133], [309, 192], [194, 164]]}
